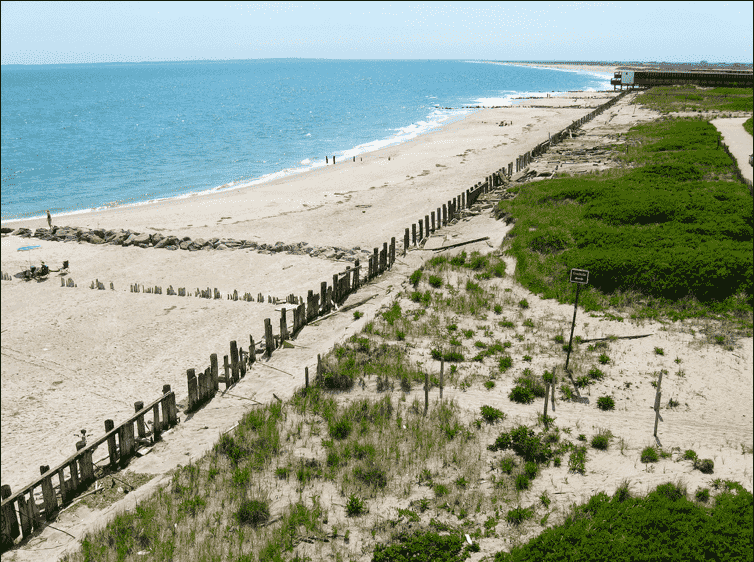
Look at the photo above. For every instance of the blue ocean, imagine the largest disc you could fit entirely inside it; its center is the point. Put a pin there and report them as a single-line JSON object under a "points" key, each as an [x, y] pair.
{"points": [[76, 138]]}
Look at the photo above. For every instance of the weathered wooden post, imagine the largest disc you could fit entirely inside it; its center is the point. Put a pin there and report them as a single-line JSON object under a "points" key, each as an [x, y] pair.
{"points": [[335, 290], [109, 426], [10, 521], [323, 292], [126, 438], [439, 218], [215, 372], [383, 258], [269, 342], [48, 492], [432, 214], [228, 378], [392, 251], [319, 365], [658, 396], [547, 394], [426, 392], [193, 395], [306, 376], [376, 267], [356, 273], [444, 214], [141, 427], [405, 242], [421, 231], [169, 408], [413, 234], [234, 360], [426, 226], [283, 327]]}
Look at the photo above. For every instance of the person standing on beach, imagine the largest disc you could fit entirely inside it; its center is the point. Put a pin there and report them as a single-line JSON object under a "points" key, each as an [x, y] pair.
{"points": [[49, 218]]}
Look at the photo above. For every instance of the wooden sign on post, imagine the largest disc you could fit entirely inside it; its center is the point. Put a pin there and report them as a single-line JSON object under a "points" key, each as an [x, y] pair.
{"points": [[580, 277]]}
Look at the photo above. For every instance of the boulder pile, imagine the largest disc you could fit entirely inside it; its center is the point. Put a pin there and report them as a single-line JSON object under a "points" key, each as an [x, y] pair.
{"points": [[156, 240]]}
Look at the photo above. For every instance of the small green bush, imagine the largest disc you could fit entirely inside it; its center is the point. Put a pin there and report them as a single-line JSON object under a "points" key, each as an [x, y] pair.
{"points": [[518, 515], [492, 415], [440, 490], [690, 455], [355, 506], [357, 314], [505, 363], [581, 437], [604, 359], [371, 475], [606, 403], [415, 277], [659, 351], [521, 395], [253, 512], [649, 454], [507, 464], [489, 385], [435, 281], [523, 303], [702, 494], [522, 482], [596, 374], [577, 459], [341, 428], [498, 309], [531, 469], [600, 442], [707, 466]]}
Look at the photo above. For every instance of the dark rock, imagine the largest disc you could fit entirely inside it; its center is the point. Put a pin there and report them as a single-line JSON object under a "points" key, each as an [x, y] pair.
{"points": [[221, 246], [162, 243], [157, 238], [141, 239], [185, 244], [94, 239]]}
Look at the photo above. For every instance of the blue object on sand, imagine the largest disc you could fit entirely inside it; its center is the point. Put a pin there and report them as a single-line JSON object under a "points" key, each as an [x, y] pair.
{"points": [[28, 248]]}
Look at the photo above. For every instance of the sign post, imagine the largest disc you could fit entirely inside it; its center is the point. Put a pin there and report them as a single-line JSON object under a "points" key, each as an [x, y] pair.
{"points": [[580, 277]]}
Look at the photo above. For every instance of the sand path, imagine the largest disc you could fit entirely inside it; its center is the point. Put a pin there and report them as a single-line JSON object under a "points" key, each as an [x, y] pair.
{"points": [[739, 142]]}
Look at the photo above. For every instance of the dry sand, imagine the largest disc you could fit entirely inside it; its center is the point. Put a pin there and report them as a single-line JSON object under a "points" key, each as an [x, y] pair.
{"points": [[583, 67], [73, 357]]}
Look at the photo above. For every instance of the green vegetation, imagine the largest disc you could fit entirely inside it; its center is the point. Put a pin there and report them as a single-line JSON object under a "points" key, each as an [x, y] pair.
{"points": [[649, 454], [664, 523], [689, 97], [670, 237], [606, 403], [423, 547], [748, 126]]}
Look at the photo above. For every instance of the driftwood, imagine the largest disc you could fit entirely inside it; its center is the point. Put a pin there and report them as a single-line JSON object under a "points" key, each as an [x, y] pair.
{"points": [[618, 338], [461, 244]]}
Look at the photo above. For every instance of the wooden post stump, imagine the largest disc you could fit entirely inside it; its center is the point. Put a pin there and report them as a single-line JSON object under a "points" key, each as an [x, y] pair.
{"points": [[421, 230], [110, 425], [234, 360], [442, 376], [392, 251], [141, 427], [283, 325], [433, 221], [405, 242], [426, 226], [215, 372], [169, 407], [193, 392], [426, 393], [306, 377], [226, 367], [413, 234], [269, 342], [444, 214], [48, 492]]}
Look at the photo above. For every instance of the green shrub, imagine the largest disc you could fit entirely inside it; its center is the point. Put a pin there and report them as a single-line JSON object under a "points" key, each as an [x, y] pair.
{"points": [[505, 363], [355, 506], [581, 437], [596, 374], [498, 308], [702, 494], [521, 395], [690, 455], [415, 277], [522, 482], [531, 470], [518, 515], [566, 391], [659, 351], [435, 281], [523, 303], [458, 260], [604, 359], [422, 546], [600, 442], [472, 287], [340, 429], [577, 459], [525, 443], [489, 385], [507, 464], [440, 490], [707, 466], [253, 512], [649, 454], [492, 415], [583, 381], [605, 403]]}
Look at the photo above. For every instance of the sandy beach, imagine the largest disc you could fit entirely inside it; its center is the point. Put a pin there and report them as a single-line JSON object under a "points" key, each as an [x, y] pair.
{"points": [[73, 357]]}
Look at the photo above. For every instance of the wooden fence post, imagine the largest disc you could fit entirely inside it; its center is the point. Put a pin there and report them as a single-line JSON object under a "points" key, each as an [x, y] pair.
{"points": [[226, 367], [413, 234], [444, 214], [269, 342], [306, 376], [109, 425], [547, 394], [405, 242], [234, 360], [356, 280], [283, 326], [392, 251], [48, 492], [215, 372], [426, 226], [193, 395], [442, 376], [426, 392], [432, 214], [140, 426], [10, 522]]}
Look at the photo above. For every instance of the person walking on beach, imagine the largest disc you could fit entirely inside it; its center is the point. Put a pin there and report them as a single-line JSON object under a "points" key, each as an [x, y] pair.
{"points": [[49, 218]]}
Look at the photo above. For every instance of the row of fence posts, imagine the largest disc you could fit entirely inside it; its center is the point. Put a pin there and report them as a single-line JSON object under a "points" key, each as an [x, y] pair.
{"points": [[525, 159], [22, 513]]}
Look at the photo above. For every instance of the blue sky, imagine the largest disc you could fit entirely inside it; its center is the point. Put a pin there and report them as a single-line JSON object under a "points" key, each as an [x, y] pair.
{"points": [[79, 32]]}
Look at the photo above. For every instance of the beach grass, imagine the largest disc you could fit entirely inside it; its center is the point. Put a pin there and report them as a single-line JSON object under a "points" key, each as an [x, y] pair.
{"points": [[748, 126], [670, 237]]}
